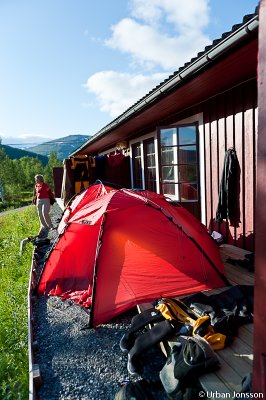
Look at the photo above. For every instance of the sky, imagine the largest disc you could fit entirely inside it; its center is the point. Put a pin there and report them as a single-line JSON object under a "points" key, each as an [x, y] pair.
{"points": [[70, 67]]}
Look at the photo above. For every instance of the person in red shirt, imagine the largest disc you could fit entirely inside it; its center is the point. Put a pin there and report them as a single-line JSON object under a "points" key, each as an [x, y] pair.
{"points": [[43, 194]]}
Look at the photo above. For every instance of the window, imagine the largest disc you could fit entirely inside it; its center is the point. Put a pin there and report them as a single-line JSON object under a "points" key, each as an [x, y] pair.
{"points": [[137, 171], [149, 165], [179, 162]]}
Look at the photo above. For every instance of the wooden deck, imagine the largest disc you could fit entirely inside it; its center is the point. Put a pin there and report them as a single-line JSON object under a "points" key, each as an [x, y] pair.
{"points": [[235, 360]]}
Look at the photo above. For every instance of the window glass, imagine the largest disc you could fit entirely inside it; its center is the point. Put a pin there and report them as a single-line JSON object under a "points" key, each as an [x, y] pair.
{"points": [[168, 155], [187, 154], [149, 147], [188, 191], [167, 137], [137, 150], [187, 135], [187, 173], [151, 179], [150, 160], [169, 188], [168, 173]]}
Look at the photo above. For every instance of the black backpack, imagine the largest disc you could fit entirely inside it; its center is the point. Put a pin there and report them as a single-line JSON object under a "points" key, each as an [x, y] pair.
{"points": [[191, 357], [134, 391]]}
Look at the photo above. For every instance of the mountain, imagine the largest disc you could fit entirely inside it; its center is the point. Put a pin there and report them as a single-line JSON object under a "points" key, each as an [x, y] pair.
{"points": [[63, 146], [15, 153]]}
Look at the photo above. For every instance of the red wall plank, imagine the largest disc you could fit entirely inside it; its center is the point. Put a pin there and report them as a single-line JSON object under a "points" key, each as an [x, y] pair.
{"points": [[208, 171], [240, 152], [222, 147], [214, 162], [230, 142], [249, 168]]}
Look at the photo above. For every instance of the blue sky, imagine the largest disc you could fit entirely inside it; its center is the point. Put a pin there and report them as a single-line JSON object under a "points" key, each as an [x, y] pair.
{"points": [[72, 66]]}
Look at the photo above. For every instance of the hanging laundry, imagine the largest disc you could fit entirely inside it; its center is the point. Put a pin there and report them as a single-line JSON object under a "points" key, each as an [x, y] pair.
{"points": [[118, 170], [100, 168], [68, 189], [80, 165], [228, 203]]}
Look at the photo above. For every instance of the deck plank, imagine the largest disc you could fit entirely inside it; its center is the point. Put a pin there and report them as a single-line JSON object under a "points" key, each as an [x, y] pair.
{"points": [[246, 333], [236, 274]]}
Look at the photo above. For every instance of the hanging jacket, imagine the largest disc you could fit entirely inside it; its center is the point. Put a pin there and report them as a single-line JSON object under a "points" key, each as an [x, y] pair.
{"points": [[228, 201]]}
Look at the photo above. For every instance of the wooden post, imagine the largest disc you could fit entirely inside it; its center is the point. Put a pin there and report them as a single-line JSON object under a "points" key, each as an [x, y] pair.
{"points": [[37, 379], [259, 366]]}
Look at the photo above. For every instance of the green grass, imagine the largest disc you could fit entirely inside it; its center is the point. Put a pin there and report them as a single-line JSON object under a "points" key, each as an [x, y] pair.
{"points": [[14, 279]]}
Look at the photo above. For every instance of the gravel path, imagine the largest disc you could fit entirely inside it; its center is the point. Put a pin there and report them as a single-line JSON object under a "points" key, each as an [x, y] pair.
{"points": [[78, 363], [14, 210]]}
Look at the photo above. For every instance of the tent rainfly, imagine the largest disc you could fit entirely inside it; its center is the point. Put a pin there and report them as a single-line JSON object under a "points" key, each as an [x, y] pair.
{"points": [[120, 248]]}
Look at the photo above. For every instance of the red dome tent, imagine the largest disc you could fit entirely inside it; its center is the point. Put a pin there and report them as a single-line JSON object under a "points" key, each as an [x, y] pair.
{"points": [[118, 248]]}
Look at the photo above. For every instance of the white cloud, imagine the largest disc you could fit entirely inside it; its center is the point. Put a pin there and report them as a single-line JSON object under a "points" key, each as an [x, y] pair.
{"points": [[183, 14], [159, 35], [116, 91], [23, 139], [147, 46], [166, 33]]}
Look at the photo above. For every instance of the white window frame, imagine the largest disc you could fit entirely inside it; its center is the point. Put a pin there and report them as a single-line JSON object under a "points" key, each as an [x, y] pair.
{"points": [[140, 140], [198, 119], [174, 197]]}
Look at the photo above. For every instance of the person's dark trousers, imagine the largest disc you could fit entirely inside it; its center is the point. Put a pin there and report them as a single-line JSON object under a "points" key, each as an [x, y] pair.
{"points": [[161, 331], [139, 322]]}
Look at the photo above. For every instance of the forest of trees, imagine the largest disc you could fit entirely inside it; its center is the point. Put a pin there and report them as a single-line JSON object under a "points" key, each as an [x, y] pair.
{"points": [[17, 176]]}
